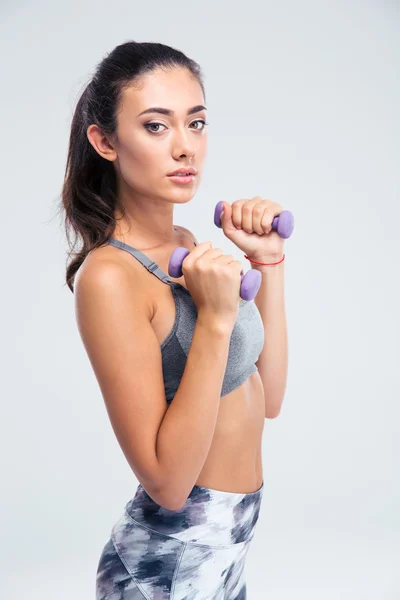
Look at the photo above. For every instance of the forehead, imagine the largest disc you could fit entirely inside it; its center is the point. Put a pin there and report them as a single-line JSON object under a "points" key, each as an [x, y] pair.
{"points": [[174, 88]]}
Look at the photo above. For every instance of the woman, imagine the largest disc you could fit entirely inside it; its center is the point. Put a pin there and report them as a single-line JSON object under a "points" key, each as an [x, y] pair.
{"points": [[175, 358]]}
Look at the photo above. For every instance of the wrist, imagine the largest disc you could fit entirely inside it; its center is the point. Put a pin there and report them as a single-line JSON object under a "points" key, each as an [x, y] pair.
{"points": [[266, 259]]}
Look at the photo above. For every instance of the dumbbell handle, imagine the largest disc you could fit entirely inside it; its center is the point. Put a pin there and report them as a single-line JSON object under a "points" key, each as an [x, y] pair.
{"points": [[250, 282], [283, 224]]}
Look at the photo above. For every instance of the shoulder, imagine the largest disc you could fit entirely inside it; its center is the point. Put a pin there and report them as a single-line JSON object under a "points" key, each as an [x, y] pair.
{"points": [[187, 232], [103, 266], [107, 274]]}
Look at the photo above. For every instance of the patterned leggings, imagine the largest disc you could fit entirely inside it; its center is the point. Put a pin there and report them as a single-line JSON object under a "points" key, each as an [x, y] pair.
{"points": [[195, 553]]}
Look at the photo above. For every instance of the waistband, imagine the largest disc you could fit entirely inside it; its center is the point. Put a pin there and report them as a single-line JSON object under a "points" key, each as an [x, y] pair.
{"points": [[209, 516]]}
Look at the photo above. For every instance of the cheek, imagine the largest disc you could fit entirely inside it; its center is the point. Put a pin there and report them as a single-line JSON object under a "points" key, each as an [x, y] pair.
{"points": [[137, 162], [201, 148]]}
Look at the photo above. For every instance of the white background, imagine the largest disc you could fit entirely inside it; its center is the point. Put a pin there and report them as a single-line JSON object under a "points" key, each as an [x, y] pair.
{"points": [[302, 101]]}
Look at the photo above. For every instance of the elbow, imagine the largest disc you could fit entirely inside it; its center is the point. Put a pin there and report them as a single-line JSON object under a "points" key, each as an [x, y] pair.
{"points": [[272, 415], [273, 410], [172, 504], [160, 496], [163, 499], [178, 506], [273, 405], [172, 499], [164, 491], [160, 493], [167, 499], [175, 501]]}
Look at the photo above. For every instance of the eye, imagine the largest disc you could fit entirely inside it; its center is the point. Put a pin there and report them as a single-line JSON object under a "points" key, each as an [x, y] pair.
{"points": [[148, 125], [200, 121]]}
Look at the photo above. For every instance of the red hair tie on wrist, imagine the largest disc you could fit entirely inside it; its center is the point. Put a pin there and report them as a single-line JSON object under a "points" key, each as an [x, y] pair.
{"points": [[267, 264]]}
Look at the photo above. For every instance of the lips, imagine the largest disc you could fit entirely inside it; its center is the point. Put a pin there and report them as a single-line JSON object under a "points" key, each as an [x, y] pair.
{"points": [[183, 171]]}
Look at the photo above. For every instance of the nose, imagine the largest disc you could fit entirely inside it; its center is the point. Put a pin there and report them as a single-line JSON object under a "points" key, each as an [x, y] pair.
{"points": [[183, 145]]}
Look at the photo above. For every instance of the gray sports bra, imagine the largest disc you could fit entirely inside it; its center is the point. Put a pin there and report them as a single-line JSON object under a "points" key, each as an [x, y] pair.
{"points": [[246, 342]]}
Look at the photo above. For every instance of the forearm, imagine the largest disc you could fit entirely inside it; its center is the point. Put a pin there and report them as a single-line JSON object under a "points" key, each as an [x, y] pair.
{"points": [[187, 430], [273, 361]]}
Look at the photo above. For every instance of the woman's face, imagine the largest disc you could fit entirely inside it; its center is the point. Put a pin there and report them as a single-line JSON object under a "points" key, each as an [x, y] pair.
{"points": [[149, 146]]}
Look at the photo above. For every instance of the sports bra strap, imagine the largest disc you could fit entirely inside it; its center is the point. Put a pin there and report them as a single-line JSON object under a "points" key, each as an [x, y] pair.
{"points": [[145, 260], [142, 258]]}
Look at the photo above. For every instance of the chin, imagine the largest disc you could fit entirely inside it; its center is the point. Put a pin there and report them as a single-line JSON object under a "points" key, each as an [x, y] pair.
{"points": [[181, 198]]}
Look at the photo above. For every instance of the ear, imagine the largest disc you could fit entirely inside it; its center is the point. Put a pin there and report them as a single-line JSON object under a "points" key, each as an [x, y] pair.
{"points": [[101, 142]]}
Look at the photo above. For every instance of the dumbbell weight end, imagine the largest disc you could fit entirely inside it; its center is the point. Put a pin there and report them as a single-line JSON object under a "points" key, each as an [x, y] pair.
{"points": [[250, 281]]}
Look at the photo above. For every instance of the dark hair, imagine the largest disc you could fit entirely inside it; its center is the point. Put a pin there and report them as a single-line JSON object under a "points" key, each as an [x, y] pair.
{"points": [[88, 197]]}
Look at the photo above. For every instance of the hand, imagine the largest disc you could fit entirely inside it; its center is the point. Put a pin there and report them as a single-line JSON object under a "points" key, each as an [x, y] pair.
{"points": [[247, 223]]}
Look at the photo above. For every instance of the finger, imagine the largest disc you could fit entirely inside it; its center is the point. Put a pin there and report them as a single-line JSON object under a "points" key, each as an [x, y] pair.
{"points": [[247, 217], [266, 220], [237, 213], [258, 213], [247, 213], [224, 258]]}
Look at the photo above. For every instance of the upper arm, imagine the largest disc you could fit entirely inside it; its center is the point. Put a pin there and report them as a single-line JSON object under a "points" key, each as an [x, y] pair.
{"points": [[114, 323]]}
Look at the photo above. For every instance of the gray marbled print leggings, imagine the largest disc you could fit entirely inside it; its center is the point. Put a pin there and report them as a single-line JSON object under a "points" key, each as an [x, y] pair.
{"points": [[195, 553]]}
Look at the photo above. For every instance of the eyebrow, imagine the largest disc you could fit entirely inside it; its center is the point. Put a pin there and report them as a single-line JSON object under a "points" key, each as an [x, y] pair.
{"points": [[170, 113]]}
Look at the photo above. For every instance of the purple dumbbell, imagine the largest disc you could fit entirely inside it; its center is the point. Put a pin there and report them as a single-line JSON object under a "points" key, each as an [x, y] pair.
{"points": [[249, 286], [283, 224], [251, 281]]}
